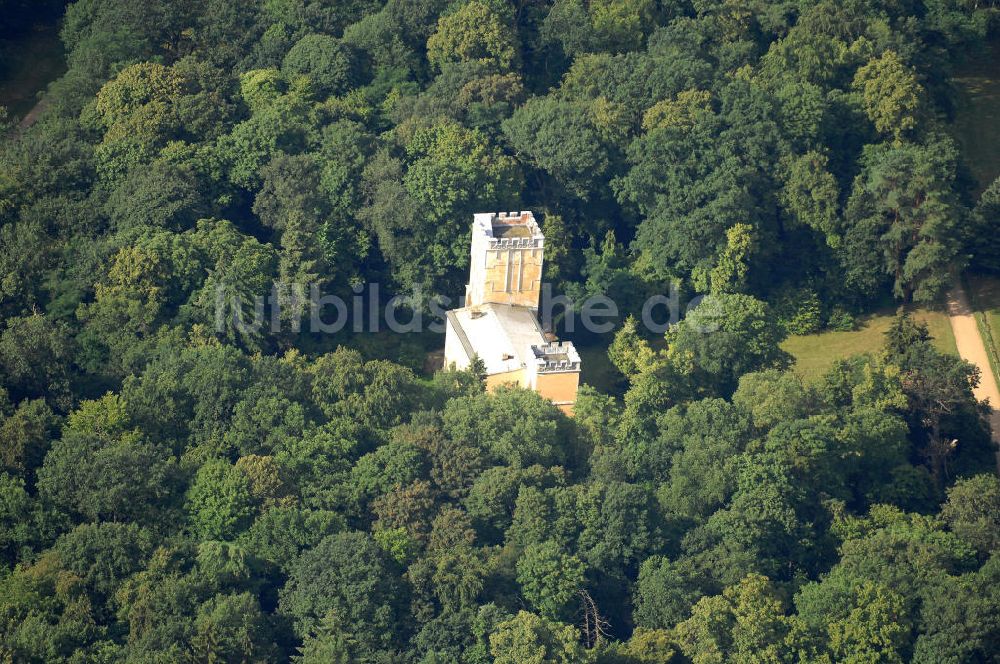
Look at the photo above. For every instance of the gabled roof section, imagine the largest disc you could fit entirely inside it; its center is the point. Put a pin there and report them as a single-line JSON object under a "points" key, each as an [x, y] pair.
{"points": [[500, 334]]}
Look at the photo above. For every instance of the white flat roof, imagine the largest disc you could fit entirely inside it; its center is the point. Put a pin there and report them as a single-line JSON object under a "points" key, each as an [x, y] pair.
{"points": [[500, 334]]}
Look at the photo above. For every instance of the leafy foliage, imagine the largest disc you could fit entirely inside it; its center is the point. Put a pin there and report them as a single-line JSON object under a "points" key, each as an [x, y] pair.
{"points": [[173, 489]]}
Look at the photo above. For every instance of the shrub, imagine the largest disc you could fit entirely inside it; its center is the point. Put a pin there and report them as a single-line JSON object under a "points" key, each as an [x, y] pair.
{"points": [[799, 311], [841, 321]]}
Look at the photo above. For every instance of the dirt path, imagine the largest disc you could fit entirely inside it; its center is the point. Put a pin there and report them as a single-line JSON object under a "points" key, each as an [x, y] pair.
{"points": [[971, 348], [29, 119], [31, 116]]}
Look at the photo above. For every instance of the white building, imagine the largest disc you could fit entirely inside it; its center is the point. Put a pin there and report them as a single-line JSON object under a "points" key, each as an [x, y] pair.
{"points": [[499, 322]]}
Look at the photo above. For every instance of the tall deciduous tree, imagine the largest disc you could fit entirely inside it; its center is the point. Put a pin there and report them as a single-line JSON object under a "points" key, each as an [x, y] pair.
{"points": [[350, 576], [551, 580], [724, 337], [474, 32], [903, 220], [890, 94], [529, 638]]}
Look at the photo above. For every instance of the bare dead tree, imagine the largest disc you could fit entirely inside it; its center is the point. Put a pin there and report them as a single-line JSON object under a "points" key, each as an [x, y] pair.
{"points": [[593, 626]]}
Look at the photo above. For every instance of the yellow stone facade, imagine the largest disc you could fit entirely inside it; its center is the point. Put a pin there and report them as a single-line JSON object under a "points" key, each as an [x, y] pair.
{"points": [[560, 389], [506, 260], [518, 378], [513, 276]]}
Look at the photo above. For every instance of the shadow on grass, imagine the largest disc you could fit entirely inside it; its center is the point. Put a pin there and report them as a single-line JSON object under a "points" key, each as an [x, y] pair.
{"points": [[31, 62]]}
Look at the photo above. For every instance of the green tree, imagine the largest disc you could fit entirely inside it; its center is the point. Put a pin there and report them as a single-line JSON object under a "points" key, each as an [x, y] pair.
{"points": [[377, 394], [137, 112], [324, 60], [629, 352], [747, 622], [938, 388], [856, 620], [726, 336], [890, 94], [527, 638], [773, 396], [143, 285], [47, 614], [561, 137], [730, 273], [348, 574], [691, 188], [128, 478], [972, 512], [409, 507], [243, 269], [452, 571], [619, 526], [281, 533], [26, 523], [550, 579], [810, 195], [25, 435], [902, 221], [600, 25], [763, 529], [493, 496], [328, 644], [981, 238], [646, 646], [664, 594], [960, 618], [232, 627], [219, 501], [420, 211], [165, 195], [474, 32], [514, 426], [103, 555], [317, 249], [35, 360], [696, 456], [387, 467]]}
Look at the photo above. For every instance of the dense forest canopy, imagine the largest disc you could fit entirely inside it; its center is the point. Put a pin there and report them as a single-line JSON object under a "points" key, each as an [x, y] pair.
{"points": [[172, 490]]}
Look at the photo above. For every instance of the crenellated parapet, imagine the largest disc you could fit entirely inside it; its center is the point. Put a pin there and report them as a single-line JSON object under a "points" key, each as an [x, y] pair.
{"points": [[515, 243], [556, 357], [509, 230]]}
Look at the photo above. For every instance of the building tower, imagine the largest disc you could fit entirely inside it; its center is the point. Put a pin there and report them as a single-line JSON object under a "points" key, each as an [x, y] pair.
{"points": [[499, 322], [506, 268]]}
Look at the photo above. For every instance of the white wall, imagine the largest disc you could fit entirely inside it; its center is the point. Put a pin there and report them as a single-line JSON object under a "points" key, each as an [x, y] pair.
{"points": [[454, 351]]}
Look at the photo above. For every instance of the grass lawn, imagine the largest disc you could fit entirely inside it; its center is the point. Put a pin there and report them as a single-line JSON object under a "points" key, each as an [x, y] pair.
{"points": [[977, 121], [815, 353], [32, 62]]}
